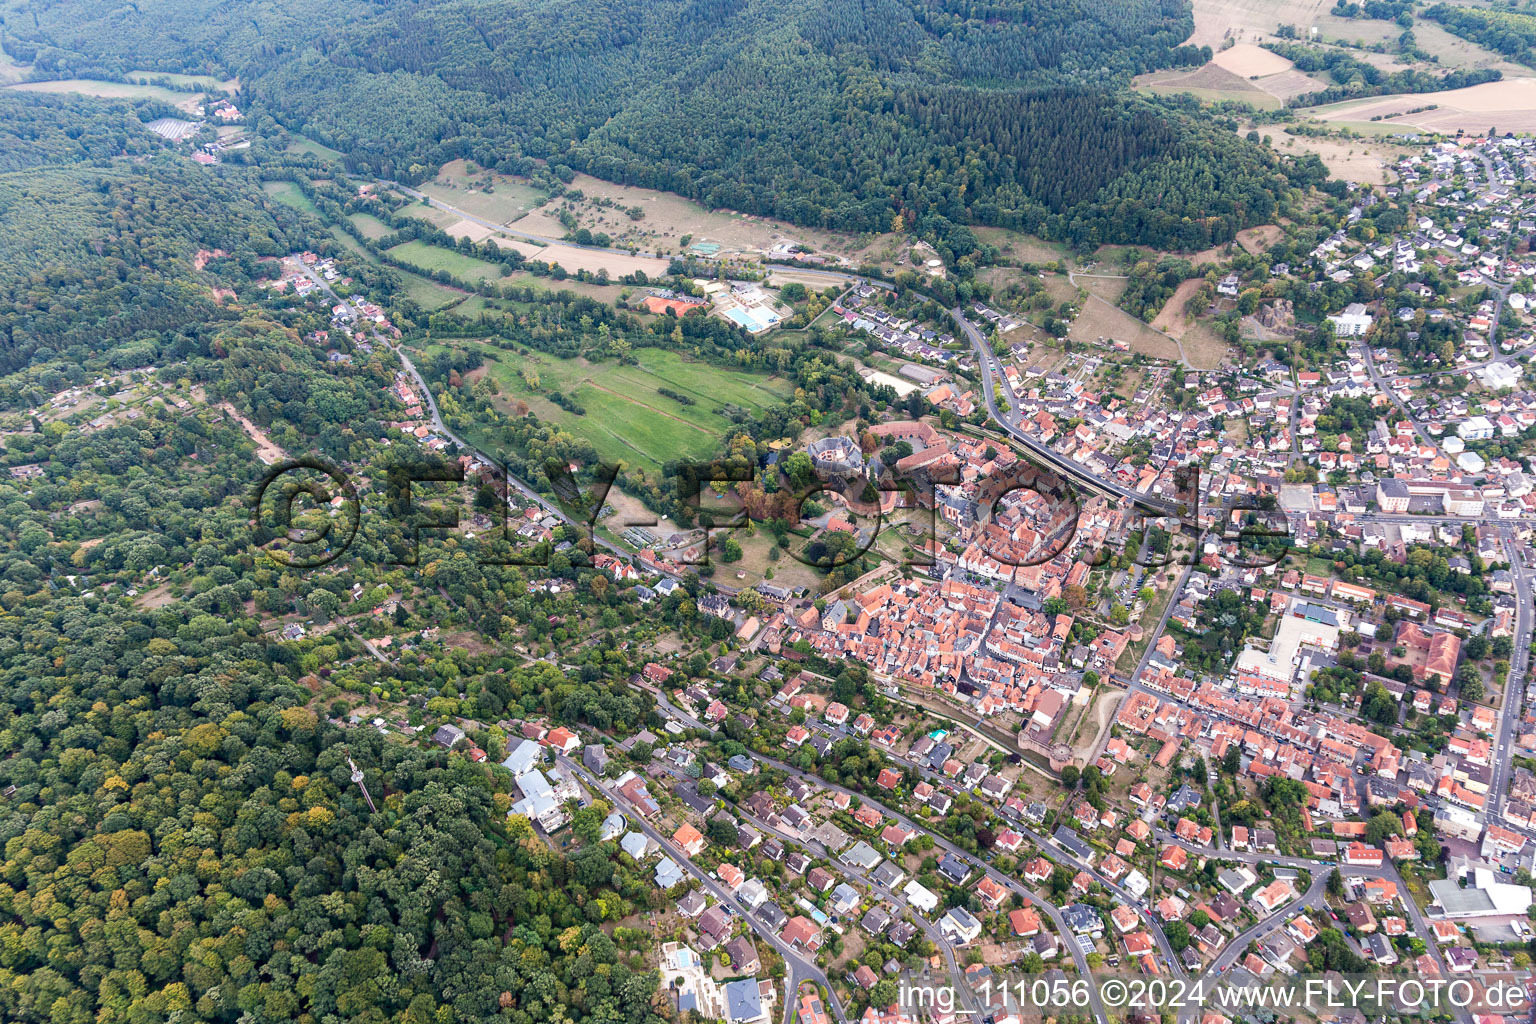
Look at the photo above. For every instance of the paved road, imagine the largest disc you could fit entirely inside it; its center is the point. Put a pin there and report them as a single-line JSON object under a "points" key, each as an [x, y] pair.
{"points": [[798, 968], [992, 374], [1514, 682], [1011, 883], [1385, 870]]}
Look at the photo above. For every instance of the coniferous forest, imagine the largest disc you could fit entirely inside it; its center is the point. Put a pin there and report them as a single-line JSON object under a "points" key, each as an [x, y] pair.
{"points": [[842, 114]]}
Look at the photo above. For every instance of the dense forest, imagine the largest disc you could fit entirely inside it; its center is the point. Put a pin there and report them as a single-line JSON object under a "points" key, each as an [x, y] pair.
{"points": [[849, 115], [1501, 29], [181, 836]]}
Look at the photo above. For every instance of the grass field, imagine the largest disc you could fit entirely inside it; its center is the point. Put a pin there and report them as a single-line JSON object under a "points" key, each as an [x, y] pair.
{"points": [[10, 70], [428, 294], [1099, 319], [289, 194], [430, 214], [627, 419], [303, 145], [114, 91], [431, 258], [370, 226], [1017, 247], [508, 201], [352, 243]]}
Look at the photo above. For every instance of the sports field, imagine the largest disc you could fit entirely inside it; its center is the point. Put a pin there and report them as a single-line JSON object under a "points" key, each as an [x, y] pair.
{"points": [[627, 418]]}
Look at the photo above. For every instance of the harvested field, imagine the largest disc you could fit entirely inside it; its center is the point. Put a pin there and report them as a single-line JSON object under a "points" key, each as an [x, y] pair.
{"points": [[469, 229], [1212, 83], [1250, 61], [1508, 105], [574, 258], [1290, 83]]}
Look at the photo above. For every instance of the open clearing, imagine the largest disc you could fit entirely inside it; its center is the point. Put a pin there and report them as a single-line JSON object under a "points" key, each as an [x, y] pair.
{"points": [[300, 144], [1508, 105], [289, 194], [1099, 319], [1017, 247], [370, 226], [10, 70], [266, 451], [1261, 238], [1362, 161], [604, 206], [667, 217], [507, 200], [1171, 318], [627, 418], [186, 101]]}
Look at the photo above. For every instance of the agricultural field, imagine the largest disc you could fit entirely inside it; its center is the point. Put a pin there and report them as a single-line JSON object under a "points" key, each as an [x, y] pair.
{"points": [[1255, 21], [431, 258], [289, 194], [627, 419], [185, 101], [507, 200], [1508, 105], [370, 226]]}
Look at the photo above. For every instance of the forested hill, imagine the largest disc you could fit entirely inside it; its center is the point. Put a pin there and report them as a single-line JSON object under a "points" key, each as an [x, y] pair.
{"points": [[840, 113]]}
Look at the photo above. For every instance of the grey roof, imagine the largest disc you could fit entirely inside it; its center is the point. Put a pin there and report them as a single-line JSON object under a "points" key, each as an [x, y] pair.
{"points": [[742, 1000], [861, 855], [954, 868]]}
